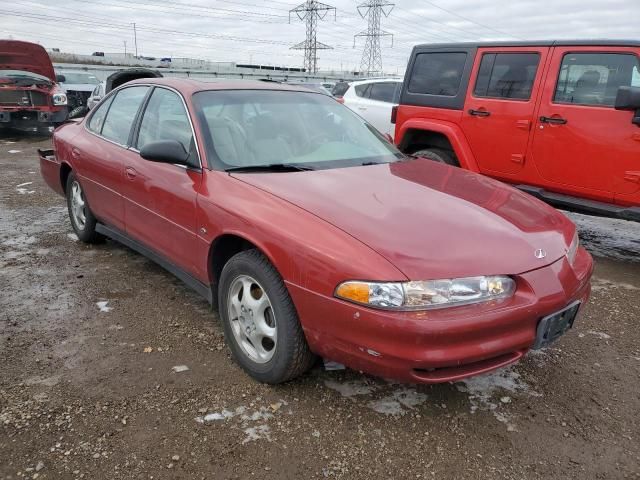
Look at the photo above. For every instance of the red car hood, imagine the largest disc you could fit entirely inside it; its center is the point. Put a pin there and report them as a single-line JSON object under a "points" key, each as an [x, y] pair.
{"points": [[430, 220], [30, 57]]}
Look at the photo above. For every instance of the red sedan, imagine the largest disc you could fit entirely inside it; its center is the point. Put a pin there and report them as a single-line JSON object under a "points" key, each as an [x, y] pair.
{"points": [[314, 236]]}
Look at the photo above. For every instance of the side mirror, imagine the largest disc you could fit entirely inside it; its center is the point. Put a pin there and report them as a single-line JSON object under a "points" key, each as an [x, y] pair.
{"points": [[165, 151], [60, 78], [628, 98]]}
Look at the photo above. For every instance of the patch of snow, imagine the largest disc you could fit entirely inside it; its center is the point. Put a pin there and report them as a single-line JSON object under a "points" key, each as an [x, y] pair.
{"points": [[180, 368], [72, 236], [15, 151], [351, 389], [24, 184], [598, 284], [608, 237], [601, 335], [103, 306], [259, 432], [24, 191], [386, 406]]}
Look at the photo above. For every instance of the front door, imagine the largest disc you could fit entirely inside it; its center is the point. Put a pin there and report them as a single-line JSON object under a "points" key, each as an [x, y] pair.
{"points": [[499, 108], [581, 143], [160, 198]]}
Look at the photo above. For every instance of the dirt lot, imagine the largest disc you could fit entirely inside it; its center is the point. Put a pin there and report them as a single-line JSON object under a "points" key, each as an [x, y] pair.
{"points": [[90, 336]]}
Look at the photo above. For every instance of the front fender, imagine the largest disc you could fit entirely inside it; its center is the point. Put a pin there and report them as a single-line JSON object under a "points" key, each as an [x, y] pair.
{"points": [[448, 129]]}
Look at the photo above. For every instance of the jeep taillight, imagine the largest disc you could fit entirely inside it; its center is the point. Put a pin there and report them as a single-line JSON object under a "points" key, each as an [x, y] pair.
{"points": [[394, 114], [340, 99]]}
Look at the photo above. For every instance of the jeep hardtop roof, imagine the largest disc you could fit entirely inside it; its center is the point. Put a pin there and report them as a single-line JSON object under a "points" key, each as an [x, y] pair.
{"points": [[536, 43]]}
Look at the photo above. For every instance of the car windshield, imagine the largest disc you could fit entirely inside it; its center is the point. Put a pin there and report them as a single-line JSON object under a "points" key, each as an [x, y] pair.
{"points": [[258, 128], [78, 77]]}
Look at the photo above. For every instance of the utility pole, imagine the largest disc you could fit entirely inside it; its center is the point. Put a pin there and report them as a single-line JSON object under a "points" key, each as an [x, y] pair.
{"points": [[373, 10], [125, 48], [135, 38], [310, 12]]}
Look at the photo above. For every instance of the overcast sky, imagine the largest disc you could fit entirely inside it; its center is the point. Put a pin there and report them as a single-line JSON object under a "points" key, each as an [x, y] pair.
{"points": [[258, 31]]}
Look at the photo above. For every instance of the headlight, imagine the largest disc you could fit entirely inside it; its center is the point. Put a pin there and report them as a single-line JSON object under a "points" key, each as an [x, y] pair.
{"points": [[573, 248], [428, 294], [59, 99]]}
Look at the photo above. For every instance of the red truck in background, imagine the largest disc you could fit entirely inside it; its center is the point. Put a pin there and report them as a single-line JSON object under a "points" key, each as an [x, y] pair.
{"points": [[560, 120], [30, 98]]}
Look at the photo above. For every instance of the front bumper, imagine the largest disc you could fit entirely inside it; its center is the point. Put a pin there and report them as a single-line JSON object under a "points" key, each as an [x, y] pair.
{"points": [[29, 119], [441, 345]]}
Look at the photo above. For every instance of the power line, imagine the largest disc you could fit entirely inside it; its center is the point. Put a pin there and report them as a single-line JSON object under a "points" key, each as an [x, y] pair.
{"points": [[310, 12], [373, 10]]}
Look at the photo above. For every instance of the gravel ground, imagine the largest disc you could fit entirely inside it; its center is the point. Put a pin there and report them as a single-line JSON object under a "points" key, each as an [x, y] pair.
{"points": [[110, 368]]}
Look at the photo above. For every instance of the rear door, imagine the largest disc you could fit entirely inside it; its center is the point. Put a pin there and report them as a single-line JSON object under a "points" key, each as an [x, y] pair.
{"points": [[581, 143], [500, 105], [101, 153], [159, 198]]}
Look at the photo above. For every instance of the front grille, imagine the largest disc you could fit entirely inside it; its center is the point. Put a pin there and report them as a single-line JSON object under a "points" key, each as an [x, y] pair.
{"points": [[77, 99], [23, 98], [14, 98], [39, 99]]}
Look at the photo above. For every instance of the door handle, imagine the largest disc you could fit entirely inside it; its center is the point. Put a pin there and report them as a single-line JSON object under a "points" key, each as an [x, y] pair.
{"points": [[75, 153], [479, 113], [553, 120], [130, 173]]}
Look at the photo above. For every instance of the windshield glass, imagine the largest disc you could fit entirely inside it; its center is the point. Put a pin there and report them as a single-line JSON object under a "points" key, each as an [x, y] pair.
{"points": [[79, 77], [23, 74], [252, 128]]}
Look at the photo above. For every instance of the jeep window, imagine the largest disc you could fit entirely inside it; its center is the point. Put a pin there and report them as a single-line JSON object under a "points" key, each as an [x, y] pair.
{"points": [[437, 73], [594, 78], [97, 119], [383, 91], [506, 75], [122, 113]]}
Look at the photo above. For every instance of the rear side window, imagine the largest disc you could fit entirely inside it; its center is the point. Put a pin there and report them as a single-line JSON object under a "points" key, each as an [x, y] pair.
{"points": [[507, 75], [340, 89], [97, 119], [122, 114], [383, 91], [594, 78], [437, 73], [363, 90]]}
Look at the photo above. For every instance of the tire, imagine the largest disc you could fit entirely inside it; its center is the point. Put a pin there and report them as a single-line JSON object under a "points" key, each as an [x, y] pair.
{"points": [[276, 349], [85, 230], [438, 155]]}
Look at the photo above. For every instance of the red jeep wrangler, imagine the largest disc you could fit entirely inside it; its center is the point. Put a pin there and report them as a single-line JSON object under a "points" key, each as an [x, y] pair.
{"points": [[30, 98], [560, 120]]}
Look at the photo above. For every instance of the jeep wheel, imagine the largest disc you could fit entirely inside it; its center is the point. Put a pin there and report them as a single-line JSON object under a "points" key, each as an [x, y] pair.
{"points": [[261, 325], [438, 155]]}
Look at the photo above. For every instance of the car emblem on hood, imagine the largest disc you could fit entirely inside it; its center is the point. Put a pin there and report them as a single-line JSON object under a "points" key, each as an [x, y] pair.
{"points": [[540, 253]]}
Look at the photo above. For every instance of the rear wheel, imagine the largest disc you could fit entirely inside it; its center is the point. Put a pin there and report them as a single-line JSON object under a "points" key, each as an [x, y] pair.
{"points": [[260, 322], [82, 219], [438, 155]]}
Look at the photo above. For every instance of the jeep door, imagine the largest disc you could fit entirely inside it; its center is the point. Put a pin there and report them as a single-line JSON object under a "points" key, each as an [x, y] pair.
{"points": [[500, 105], [160, 198], [581, 143]]}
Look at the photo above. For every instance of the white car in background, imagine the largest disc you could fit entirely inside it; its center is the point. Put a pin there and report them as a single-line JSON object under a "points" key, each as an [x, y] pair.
{"points": [[372, 99]]}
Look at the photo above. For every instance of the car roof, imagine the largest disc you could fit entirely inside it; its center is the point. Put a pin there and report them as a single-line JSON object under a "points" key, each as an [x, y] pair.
{"points": [[189, 86], [537, 43], [374, 80]]}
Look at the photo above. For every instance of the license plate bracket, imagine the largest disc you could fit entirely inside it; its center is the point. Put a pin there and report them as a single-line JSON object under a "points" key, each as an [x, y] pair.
{"points": [[553, 326]]}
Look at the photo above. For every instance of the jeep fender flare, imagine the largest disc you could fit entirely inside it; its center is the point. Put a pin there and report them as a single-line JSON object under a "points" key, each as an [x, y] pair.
{"points": [[452, 132]]}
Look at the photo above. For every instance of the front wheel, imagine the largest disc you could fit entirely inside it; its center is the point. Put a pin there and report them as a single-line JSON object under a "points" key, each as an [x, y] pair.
{"points": [[261, 325], [82, 219], [438, 155]]}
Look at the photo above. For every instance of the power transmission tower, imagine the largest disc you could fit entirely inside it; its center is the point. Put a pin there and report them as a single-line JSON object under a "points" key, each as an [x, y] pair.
{"points": [[374, 10], [310, 12]]}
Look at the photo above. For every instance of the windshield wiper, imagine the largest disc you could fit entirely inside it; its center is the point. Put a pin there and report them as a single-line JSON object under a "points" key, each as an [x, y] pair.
{"points": [[272, 167]]}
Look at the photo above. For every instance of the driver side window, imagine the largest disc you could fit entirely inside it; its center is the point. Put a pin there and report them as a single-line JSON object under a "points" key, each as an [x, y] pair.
{"points": [[165, 118]]}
